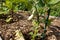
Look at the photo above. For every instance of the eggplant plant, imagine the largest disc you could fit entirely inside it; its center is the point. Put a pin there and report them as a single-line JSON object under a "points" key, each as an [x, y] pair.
{"points": [[46, 5]]}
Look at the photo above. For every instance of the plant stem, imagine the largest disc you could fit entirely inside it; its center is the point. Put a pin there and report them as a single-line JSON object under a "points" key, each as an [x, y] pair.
{"points": [[37, 15], [37, 18], [46, 20], [46, 24]]}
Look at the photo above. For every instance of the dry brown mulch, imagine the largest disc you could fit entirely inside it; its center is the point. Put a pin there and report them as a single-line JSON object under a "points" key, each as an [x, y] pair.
{"points": [[20, 22]]}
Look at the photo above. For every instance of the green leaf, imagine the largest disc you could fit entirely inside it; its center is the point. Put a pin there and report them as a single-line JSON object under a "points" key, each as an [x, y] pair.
{"points": [[8, 4], [53, 1], [31, 33]]}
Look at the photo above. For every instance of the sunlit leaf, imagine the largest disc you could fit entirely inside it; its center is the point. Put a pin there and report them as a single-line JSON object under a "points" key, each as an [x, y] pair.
{"points": [[8, 20], [53, 1]]}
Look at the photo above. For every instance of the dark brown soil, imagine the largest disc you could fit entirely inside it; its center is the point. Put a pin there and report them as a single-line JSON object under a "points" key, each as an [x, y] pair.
{"points": [[7, 30]]}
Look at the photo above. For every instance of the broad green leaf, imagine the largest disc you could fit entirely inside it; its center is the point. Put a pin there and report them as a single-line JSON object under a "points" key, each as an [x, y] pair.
{"points": [[8, 4], [53, 1]]}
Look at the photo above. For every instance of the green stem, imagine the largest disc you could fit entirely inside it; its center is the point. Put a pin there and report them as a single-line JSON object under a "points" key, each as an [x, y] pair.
{"points": [[37, 15], [46, 24], [46, 20], [37, 18]]}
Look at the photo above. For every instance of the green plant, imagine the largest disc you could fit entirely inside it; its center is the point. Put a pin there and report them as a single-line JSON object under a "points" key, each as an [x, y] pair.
{"points": [[8, 6], [48, 4], [44, 7], [37, 8], [35, 23], [35, 28], [12, 6]]}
